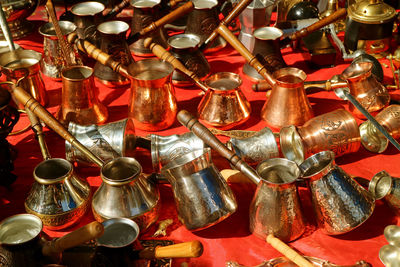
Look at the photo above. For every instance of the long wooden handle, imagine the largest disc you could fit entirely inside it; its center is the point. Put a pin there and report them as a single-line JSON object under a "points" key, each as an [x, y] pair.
{"points": [[318, 25], [227, 20], [84, 234], [190, 122], [115, 10], [163, 54], [95, 53], [288, 252], [38, 130], [29, 102], [248, 56], [173, 15], [190, 249], [65, 48]]}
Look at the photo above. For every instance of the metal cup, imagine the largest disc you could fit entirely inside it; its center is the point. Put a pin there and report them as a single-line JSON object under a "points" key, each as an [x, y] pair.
{"points": [[256, 148], [257, 14], [340, 203], [372, 139], [165, 149], [224, 105], [275, 208], [25, 63], [383, 186], [79, 99], [202, 196], [185, 48], [266, 46], [107, 141], [53, 60], [336, 131]]}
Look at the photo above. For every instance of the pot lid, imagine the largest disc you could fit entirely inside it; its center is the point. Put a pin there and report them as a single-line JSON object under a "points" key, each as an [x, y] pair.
{"points": [[371, 12]]}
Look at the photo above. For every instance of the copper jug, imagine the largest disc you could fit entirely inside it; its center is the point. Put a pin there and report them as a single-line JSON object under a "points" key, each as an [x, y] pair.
{"points": [[336, 131], [267, 48], [25, 63], [371, 138], [202, 21], [288, 103], [79, 100], [113, 42], [185, 48], [370, 93], [152, 102], [144, 13], [224, 105], [87, 15]]}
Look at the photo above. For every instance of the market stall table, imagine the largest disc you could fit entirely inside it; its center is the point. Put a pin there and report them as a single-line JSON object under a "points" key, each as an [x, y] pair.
{"points": [[230, 240]]}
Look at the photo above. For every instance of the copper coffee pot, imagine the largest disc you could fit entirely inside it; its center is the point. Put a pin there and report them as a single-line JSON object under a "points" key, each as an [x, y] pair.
{"points": [[287, 89]]}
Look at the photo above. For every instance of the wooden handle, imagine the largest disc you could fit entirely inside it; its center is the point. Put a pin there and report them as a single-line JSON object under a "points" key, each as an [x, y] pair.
{"points": [[115, 10], [318, 25], [84, 234], [241, 49], [29, 102], [100, 56], [288, 252], [227, 20], [190, 122], [163, 54], [38, 130], [65, 48], [190, 249], [177, 13], [173, 3]]}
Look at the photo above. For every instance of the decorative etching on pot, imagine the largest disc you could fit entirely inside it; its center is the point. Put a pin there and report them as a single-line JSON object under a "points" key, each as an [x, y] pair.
{"points": [[336, 135], [208, 25]]}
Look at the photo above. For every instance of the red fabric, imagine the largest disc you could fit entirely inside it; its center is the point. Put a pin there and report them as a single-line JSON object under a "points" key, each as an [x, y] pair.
{"points": [[230, 239]]}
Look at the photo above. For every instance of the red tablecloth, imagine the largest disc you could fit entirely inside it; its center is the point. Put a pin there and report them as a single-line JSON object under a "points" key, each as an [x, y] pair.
{"points": [[230, 239]]}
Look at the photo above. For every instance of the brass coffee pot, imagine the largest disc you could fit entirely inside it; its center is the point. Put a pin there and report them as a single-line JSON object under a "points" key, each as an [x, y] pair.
{"points": [[369, 26]]}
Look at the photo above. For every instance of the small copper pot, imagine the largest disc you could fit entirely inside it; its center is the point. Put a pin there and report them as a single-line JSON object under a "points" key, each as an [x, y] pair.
{"points": [[224, 105], [372, 139], [336, 131]]}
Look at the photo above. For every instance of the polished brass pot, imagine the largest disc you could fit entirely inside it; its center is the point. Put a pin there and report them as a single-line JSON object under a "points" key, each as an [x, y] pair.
{"points": [[127, 193]]}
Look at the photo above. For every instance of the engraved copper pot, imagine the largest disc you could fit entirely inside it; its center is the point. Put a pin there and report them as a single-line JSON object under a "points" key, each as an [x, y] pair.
{"points": [[167, 148], [202, 196], [87, 15], [383, 186], [202, 21], [336, 131], [107, 141], [372, 139], [275, 208], [266, 46], [58, 197], [144, 13], [79, 98], [256, 148], [125, 192], [340, 203], [25, 63], [371, 94], [20, 237], [185, 48], [224, 105], [152, 103], [113, 42], [257, 14], [288, 103], [53, 60]]}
